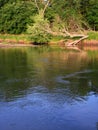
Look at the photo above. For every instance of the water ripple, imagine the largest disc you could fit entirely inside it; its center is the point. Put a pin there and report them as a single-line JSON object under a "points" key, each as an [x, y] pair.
{"points": [[63, 79]]}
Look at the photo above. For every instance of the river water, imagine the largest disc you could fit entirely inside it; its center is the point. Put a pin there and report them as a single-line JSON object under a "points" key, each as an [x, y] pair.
{"points": [[48, 89]]}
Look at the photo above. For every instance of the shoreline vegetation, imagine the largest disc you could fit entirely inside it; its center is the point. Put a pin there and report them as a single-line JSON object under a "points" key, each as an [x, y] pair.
{"points": [[8, 40], [52, 22]]}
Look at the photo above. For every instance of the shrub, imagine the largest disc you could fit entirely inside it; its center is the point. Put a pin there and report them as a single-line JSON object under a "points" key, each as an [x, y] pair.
{"points": [[38, 30], [15, 16]]}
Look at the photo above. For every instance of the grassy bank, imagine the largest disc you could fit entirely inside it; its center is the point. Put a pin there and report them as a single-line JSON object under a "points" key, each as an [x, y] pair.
{"points": [[7, 38], [23, 38], [93, 35]]}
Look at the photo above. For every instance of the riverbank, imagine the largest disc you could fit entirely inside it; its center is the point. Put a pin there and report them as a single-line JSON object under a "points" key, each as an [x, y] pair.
{"points": [[7, 40], [15, 45]]}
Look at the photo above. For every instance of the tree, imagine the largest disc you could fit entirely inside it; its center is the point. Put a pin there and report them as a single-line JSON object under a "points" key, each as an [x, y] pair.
{"points": [[62, 24], [89, 9], [14, 20], [38, 30]]}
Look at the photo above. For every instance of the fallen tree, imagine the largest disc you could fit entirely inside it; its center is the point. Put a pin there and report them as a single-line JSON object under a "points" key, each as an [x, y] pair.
{"points": [[74, 43], [41, 29], [67, 34]]}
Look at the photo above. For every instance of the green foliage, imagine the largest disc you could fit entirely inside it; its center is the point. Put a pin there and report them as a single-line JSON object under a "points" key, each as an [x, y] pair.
{"points": [[50, 14], [92, 17], [37, 31], [57, 38], [15, 16], [2, 2], [6, 38], [93, 35], [73, 15], [40, 38], [89, 10], [69, 13], [73, 19]]}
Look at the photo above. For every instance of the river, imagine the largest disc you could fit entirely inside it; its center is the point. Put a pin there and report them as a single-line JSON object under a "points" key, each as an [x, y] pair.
{"points": [[48, 89]]}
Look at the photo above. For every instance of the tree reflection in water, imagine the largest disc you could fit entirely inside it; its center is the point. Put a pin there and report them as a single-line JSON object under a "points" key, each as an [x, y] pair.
{"points": [[72, 75]]}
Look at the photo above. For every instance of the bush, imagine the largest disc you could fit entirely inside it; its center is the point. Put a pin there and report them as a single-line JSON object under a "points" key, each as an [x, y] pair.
{"points": [[38, 31], [15, 16]]}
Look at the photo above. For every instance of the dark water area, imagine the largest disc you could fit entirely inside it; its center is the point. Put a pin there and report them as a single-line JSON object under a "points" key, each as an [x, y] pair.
{"points": [[48, 89]]}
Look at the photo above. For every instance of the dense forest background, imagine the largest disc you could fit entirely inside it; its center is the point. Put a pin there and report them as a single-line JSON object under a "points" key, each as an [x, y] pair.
{"points": [[17, 16]]}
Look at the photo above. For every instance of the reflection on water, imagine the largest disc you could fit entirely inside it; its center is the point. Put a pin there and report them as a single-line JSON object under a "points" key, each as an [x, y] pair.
{"points": [[43, 88]]}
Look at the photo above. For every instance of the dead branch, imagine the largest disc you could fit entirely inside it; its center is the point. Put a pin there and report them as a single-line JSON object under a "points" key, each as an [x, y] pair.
{"points": [[77, 41]]}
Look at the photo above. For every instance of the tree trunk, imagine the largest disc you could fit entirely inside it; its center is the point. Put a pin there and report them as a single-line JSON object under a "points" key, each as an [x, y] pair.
{"points": [[77, 41]]}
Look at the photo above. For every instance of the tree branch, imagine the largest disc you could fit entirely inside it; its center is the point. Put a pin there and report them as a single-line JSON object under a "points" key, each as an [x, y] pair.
{"points": [[77, 41], [46, 5], [37, 5]]}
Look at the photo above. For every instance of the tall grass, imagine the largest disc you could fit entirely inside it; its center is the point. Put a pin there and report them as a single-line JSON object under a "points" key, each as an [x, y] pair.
{"points": [[93, 35]]}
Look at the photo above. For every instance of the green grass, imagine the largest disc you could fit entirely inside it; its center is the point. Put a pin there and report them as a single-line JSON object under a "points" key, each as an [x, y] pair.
{"points": [[57, 38], [17, 38], [93, 35], [24, 37]]}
